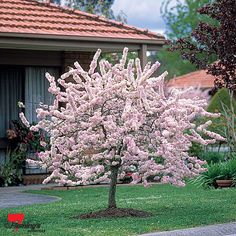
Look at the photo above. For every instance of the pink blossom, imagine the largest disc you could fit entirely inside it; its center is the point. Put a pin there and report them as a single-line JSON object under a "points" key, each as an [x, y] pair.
{"points": [[43, 144], [24, 120]]}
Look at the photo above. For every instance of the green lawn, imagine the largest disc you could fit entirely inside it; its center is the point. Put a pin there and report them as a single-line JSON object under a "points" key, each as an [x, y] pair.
{"points": [[172, 208]]}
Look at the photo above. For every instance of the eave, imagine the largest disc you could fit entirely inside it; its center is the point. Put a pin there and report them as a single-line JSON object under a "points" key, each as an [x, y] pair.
{"points": [[74, 43]]}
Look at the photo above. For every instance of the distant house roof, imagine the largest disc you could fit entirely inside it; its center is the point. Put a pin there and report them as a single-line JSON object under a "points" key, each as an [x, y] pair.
{"points": [[195, 79], [29, 17]]}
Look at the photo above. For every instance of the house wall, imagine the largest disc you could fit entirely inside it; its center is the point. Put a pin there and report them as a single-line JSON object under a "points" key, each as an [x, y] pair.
{"points": [[44, 58]]}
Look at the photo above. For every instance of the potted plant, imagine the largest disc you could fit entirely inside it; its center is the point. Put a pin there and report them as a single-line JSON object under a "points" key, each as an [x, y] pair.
{"points": [[224, 183], [222, 174], [227, 175]]}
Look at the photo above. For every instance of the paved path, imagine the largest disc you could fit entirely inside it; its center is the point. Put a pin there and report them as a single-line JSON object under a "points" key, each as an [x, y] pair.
{"points": [[13, 196], [228, 229]]}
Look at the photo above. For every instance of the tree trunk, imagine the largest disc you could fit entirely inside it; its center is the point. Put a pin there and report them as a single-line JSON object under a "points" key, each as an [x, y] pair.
{"points": [[112, 189]]}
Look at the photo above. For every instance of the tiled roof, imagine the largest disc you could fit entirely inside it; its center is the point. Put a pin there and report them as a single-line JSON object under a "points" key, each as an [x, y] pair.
{"points": [[30, 16], [195, 79]]}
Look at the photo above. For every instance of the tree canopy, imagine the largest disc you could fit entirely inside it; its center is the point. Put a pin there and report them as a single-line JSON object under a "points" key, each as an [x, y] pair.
{"points": [[99, 7]]}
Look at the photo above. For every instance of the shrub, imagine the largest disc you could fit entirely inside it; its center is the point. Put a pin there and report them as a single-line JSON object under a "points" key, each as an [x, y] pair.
{"points": [[224, 103], [221, 97], [212, 157], [196, 149], [11, 170], [221, 103]]}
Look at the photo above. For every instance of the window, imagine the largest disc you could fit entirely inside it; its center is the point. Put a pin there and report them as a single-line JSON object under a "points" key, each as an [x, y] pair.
{"points": [[27, 84]]}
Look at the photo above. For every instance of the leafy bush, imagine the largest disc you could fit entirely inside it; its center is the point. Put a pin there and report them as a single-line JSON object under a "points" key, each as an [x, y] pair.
{"points": [[11, 170], [196, 149], [212, 157], [229, 169], [222, 97], [220, 103], [223, 102], [208, 178]]}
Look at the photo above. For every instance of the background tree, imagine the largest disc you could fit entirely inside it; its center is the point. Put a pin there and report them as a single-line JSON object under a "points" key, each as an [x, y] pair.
{"points": [[217, 37], [180, 20], [56, 1], [99, 7], [119, 120]]}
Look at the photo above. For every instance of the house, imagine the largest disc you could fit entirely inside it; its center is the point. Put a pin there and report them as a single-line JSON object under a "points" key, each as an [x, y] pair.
{"points": [[41, 37], [199, 79]]}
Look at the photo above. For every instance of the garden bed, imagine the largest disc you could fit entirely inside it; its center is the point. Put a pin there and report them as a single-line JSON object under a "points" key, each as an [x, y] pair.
{"points": [[114, 213]]}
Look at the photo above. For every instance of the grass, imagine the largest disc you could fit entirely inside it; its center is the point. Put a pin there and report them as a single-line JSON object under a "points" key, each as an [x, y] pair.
{"points": [[172, 208]]}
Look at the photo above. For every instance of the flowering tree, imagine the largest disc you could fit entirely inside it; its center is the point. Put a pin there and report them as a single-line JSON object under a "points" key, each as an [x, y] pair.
{"points": [[116, 120]]}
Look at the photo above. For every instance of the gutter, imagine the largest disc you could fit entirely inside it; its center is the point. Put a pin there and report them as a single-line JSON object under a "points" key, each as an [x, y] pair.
{"points": [[156, 42]]}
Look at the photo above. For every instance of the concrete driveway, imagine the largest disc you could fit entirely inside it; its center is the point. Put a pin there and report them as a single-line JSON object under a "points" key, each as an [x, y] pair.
{"points": [[14, 196]]}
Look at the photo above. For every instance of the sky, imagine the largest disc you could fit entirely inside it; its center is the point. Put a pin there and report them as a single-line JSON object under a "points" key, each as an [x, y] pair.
{"points": [[141, 13]]}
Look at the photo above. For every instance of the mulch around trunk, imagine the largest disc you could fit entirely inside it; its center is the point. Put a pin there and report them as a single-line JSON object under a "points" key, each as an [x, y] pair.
{"points": [[114, 212]]}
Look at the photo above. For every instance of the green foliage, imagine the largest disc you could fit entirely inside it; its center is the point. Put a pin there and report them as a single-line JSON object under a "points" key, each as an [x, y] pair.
{"points": [[196, 149], [208, 178], [230, 169], [214, 38], [115, 57], [212, 157], [217, 171], [24, 141], [183, 17], [219, 100], [224, 103], [99, 7], [173, 63], [11, 170]]}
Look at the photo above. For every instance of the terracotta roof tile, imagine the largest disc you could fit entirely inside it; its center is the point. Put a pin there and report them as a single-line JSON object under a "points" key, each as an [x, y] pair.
{"points": [[195, 79], [30, 16]]}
